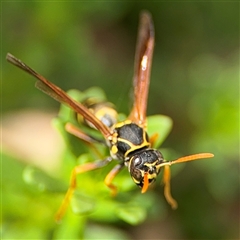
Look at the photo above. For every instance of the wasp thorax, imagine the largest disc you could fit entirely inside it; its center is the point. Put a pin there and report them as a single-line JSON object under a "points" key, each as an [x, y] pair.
{"points": [[145, 162]]}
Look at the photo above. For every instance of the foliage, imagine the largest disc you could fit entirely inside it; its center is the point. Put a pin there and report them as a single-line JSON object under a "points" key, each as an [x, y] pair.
{"points": [[195, 78], [92, 200]]}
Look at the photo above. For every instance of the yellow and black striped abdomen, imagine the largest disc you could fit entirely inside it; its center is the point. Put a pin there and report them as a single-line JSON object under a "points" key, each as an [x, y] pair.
{"points": [[102, 110]]}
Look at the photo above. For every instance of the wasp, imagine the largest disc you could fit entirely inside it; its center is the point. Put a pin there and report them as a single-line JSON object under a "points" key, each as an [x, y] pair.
{"points": [[128, 140]]}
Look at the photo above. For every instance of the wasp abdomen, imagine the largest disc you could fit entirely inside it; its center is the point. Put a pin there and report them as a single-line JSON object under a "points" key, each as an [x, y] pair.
{"points": [[102, 110]]}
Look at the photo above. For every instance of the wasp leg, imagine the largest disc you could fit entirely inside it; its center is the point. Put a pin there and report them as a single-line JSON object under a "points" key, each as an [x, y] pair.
{"points": [[73, 183], [109, 178], [167, 188], [70, 128], [153, 138], [83, 136]]}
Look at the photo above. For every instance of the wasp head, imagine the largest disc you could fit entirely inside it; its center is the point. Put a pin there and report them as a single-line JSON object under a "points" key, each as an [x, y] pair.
{"points": [[144, 167]]}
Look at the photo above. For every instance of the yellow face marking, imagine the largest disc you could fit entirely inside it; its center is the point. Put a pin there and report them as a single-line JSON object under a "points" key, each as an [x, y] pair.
{"points": [[152, 176], [135, 180]]}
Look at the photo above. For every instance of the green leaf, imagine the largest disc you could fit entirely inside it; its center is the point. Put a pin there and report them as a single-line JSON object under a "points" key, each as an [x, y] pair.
{"points": [[43, 182], [82, 204], [67, 114], [96, 232], [132, 214], [161, 125]]}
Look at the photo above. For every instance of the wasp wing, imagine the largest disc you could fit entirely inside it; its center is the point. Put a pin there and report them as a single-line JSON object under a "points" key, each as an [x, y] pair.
{"points": [[58, 94], [143, 61]]}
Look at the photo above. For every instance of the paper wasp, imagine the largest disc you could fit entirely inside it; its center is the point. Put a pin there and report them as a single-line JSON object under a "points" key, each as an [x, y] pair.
{"points": [[128, 141]]}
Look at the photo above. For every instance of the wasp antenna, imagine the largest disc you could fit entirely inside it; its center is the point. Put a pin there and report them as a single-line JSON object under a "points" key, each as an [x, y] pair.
{"points": [[192, 157], [187, 159]]}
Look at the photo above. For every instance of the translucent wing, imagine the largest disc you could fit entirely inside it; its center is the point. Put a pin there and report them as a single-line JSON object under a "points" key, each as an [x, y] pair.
{"points": [[58, 94], [143, 60]]}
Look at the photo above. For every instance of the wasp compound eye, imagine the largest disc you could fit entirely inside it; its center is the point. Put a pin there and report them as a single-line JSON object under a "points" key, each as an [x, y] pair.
{"points": [[137, 161]]}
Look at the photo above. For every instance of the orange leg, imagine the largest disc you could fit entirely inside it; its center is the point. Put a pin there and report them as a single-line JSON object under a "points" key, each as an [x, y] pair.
{"points": [[109, 178], [84, 137], [167, 173], [167, 188], [73, 183], [153, 138]]}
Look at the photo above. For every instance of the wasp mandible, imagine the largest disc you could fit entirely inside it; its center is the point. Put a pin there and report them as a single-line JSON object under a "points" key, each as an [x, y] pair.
{"points": [[128, 141]]}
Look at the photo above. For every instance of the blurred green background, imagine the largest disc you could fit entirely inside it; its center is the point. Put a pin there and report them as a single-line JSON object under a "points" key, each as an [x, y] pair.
{"points": [[195, 81]]}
